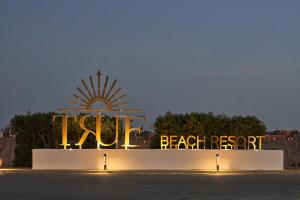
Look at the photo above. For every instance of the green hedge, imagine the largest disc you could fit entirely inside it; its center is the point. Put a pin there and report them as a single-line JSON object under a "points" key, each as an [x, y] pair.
{"points": [[206, 124], [37, 131]]}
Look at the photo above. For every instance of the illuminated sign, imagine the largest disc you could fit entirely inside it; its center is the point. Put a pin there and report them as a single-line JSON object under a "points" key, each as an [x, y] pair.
{"points": [[85, 100], [89, 95], [215, 142]]}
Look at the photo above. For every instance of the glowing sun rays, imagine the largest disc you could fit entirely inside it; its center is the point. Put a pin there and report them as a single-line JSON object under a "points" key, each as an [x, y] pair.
{"points": [[91, 92]]}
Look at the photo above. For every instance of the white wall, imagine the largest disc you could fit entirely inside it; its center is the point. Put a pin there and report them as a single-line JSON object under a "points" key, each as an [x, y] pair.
{"points": [[146, 159]]}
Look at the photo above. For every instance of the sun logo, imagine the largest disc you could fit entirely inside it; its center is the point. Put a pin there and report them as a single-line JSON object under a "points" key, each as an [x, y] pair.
{"points": [[104, 92], [85, 99]]}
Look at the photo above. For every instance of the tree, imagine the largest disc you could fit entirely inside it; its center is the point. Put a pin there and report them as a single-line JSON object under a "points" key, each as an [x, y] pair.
{"points": [[205, 124], [38, 131]]}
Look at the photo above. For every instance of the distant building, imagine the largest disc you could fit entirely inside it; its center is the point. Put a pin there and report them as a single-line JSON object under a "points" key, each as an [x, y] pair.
{"points": [[143, 139], [286, 140]]}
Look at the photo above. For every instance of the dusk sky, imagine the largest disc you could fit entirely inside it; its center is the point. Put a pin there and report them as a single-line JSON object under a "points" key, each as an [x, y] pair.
{"points": [[228, 57]]}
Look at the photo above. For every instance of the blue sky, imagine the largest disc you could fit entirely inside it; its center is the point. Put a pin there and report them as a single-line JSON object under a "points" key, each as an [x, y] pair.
{"points": [[231, 57]]}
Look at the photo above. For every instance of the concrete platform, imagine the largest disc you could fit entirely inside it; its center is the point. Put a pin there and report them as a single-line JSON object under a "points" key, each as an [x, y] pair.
{"points": [[155, 159]]}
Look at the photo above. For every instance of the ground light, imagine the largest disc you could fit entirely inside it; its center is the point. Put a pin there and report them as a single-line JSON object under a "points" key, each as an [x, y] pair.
{"points": [[105, 166], [218, 162]]}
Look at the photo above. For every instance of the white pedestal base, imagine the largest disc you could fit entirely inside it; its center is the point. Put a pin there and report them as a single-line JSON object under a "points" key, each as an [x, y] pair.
{"points": [[155, 159]]}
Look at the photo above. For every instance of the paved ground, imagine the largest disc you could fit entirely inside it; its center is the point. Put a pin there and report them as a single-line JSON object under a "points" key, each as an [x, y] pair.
{"points": [[28, 184]]}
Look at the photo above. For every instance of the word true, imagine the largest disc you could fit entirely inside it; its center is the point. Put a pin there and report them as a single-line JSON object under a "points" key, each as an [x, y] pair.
{"points": [[97, 133], [215, 142]]}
